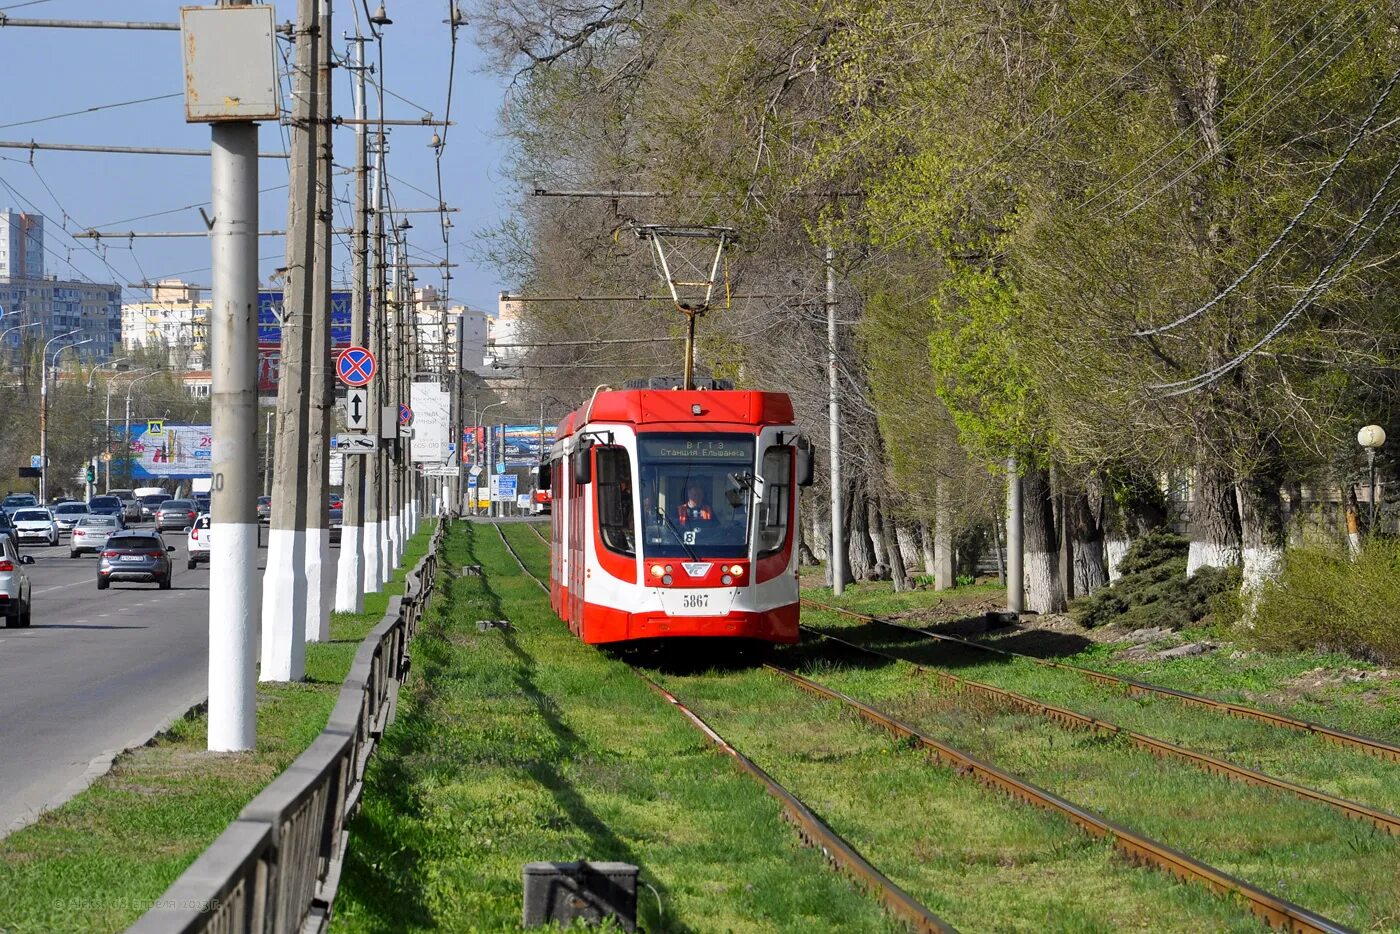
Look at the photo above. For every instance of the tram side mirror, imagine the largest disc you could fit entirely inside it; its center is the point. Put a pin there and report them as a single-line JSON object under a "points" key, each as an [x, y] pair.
{"points": [[806, 462], [546, 475], [583, 465]]}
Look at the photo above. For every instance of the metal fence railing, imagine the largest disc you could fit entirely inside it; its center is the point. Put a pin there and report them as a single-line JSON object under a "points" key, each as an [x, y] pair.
{"points": [[277, 866]]}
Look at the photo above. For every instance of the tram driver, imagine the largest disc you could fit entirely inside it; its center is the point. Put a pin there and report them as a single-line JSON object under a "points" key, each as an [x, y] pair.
{"points": [[694, 510]]}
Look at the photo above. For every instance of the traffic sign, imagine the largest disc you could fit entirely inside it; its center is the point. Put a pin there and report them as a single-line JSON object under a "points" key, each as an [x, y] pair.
{"points": [[155, 427], [355, 366], [500, 466], [474, 470], [357, 408], [356, 444], [405, 414], [36, 462]]}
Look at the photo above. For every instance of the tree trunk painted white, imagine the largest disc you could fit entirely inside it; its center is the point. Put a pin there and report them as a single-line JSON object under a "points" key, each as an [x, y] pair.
{"points": [[819, 539], [875, 523], [1042, 573], [1090, 571], [926, 547], [1263, 532], [1114, 550], [1215, 522], [860, 551], [898, 575], [908, 546]]}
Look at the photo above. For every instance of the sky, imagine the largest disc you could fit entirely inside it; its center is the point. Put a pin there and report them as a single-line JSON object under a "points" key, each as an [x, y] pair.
{"points": [[57, 71]]}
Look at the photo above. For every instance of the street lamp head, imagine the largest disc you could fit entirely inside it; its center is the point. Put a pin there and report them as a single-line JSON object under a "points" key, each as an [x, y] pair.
{"points": [[1371, 437], [381, 17]]}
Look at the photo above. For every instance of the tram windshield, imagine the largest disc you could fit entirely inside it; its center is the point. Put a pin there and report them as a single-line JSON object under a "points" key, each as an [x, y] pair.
{"points": [[696, 494]]}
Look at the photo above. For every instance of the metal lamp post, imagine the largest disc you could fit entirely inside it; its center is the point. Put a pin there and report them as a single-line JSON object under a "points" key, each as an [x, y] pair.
{"points": [[126, 435], [490, 462], [44, 416], [107, 425], [1372, 437], [18, 327]]}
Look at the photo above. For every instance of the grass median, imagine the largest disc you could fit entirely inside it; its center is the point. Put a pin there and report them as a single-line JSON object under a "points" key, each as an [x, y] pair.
{"points": [[98, 862], [523, 744]]}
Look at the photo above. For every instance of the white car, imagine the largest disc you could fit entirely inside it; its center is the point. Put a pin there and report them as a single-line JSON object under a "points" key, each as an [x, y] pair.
{"points": [[91, 534], [197, 544], [36, 525], [14, 584]]}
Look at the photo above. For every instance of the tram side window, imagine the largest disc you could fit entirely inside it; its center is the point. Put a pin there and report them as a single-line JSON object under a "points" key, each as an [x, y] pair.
{"points": [[613, 476], [773, 511]]}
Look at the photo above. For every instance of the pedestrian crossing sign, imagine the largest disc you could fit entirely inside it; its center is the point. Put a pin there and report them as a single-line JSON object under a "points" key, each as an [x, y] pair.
{"points": [[155, 428]]}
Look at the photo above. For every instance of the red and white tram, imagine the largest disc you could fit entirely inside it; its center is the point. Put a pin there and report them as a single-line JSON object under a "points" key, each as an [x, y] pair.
{"points": [[675, 515]]}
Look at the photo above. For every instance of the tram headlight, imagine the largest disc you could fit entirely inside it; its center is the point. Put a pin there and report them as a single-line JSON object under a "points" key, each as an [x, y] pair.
{"points": [[657, 570], [737, 570], [726, 580], [666, 579]]}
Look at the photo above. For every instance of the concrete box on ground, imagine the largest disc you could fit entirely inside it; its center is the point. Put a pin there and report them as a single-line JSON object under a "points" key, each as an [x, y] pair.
{"points": [[564, 892]]}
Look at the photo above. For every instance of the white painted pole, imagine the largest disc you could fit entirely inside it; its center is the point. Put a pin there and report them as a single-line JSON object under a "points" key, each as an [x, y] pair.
{"points": [[350, 572], [233, 584], [837, 555], [1015, 575]]}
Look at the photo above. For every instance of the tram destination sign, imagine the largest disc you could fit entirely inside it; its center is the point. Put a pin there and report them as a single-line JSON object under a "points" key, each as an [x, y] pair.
{"points": [[736, 449]]}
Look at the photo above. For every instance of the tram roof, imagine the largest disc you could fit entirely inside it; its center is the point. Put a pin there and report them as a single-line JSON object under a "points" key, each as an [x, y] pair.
{"points": [[675, 407]]}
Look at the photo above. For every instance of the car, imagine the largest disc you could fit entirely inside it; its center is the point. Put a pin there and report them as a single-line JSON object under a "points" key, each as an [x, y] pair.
{"points": [[175, 514], [14, 584], [197, 544], [335, 518], [60, 500], [68, 514], [337, 501], [202, 502], [17, 501], [135, 556], [130, 503], [150, 502], [264, 509], [91, 534], [35, 524], [106, 506]]}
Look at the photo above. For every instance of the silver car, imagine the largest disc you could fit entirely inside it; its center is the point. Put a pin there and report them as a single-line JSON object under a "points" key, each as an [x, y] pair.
{"points": [[68, 514], [91, 534], [14, 584]]}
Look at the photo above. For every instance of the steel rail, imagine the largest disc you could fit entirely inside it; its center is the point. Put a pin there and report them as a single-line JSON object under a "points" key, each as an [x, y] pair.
{"points": [[1276, 911], [1375, 747], [815, 831], [811, 828], [1158, 747]]}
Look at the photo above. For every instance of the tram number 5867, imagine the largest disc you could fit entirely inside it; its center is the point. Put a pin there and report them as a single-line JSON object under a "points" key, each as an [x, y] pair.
{"points": [[695, 601]]}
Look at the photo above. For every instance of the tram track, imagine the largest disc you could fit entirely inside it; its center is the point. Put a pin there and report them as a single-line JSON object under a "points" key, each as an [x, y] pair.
{"points": [[1213, 765], [1270, 908], [812, 829], [1375, 747]]}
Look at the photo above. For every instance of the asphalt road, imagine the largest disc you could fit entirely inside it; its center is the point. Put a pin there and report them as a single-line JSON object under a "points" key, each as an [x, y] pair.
{"points": [[95, 673]]}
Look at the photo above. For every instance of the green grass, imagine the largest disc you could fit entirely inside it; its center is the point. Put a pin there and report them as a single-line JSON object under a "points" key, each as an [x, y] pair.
{"points": [[98, 862], [524, 745], [982, 861]]}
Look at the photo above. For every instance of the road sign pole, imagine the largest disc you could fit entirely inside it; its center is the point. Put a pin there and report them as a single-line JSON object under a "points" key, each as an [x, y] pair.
{"points": [[350, 572]]}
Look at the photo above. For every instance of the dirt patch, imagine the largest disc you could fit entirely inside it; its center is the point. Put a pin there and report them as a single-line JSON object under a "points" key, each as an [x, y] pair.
{"points": [[1326, 677]]}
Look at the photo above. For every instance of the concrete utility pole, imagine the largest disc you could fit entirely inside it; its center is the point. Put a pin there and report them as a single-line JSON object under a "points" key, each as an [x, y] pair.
{"points": [[375, 474], [350, 574], [1015, 576], [321, 397], [233, 603], [837, 555], [284, 583], [394, 348]]}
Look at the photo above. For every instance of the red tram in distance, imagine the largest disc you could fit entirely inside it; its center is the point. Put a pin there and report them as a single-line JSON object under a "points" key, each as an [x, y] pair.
{"points": [[675, 515]]}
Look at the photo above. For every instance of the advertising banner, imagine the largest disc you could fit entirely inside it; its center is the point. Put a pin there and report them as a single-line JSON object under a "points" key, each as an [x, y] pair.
{"points": [[176, 451], [270, 334], [521, 445], [432, 424]]}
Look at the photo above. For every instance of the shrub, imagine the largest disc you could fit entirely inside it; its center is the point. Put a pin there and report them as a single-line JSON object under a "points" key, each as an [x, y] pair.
{"points": [[1325, 599], [1154, 589]]}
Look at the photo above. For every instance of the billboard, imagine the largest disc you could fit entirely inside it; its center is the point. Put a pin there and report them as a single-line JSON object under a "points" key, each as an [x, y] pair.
{"points": [[521, 444], [432, 423], [270, 334], [172, 451]]}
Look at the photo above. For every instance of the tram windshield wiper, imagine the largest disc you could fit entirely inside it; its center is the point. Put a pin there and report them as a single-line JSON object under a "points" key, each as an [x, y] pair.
{"points": [[677, 532]]}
